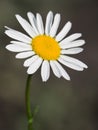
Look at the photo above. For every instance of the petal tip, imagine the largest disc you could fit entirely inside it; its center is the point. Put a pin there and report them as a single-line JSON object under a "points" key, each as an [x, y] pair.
{"points": [[29, 13], [50, 12], [17, 16], [18, 57], [84, 42], [28, 72], [6, 27], [69, 22], [5, 31], [85, 66], [44, 80], [25, 65], [68, 78], [7, 47]]}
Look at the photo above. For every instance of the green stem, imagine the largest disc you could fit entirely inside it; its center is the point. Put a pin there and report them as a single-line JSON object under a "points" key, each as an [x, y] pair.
{"points": [[28, 107]]}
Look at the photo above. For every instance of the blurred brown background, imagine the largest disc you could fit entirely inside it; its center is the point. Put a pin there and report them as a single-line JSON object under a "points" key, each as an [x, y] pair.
{"points": [[63, 105]]}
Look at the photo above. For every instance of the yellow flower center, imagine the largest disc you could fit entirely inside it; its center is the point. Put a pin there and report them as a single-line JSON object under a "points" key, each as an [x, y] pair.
{"points": [[46, 47]]}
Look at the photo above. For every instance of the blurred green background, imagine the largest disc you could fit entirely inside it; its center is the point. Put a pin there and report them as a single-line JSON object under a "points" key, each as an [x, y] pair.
{"points": [[64, 105]]}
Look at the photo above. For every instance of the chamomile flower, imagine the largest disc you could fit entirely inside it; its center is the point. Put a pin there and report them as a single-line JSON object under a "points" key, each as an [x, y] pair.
{"points": [[44, 48]]}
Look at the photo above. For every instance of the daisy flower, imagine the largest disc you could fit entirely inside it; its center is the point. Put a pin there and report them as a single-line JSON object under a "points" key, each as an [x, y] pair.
{"points": [[42, 46]]}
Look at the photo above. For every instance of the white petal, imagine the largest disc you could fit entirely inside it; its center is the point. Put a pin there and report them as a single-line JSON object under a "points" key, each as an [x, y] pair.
{"points": [[74, 61], [72, 44], [45, 70], [17, 48], [18, 36], [34, 66], [72, 51], [26, 26], [23, 55], [20, 43], [71, 38], [55, 69], [48, 22], [9, 28], [33, 21], [64, 31], [62, 71], [40, 25], [55, 25], [70, 65], [29, 61]]}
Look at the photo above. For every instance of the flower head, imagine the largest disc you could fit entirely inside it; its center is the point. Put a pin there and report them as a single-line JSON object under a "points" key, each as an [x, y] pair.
{"points": [[44, 47]]}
